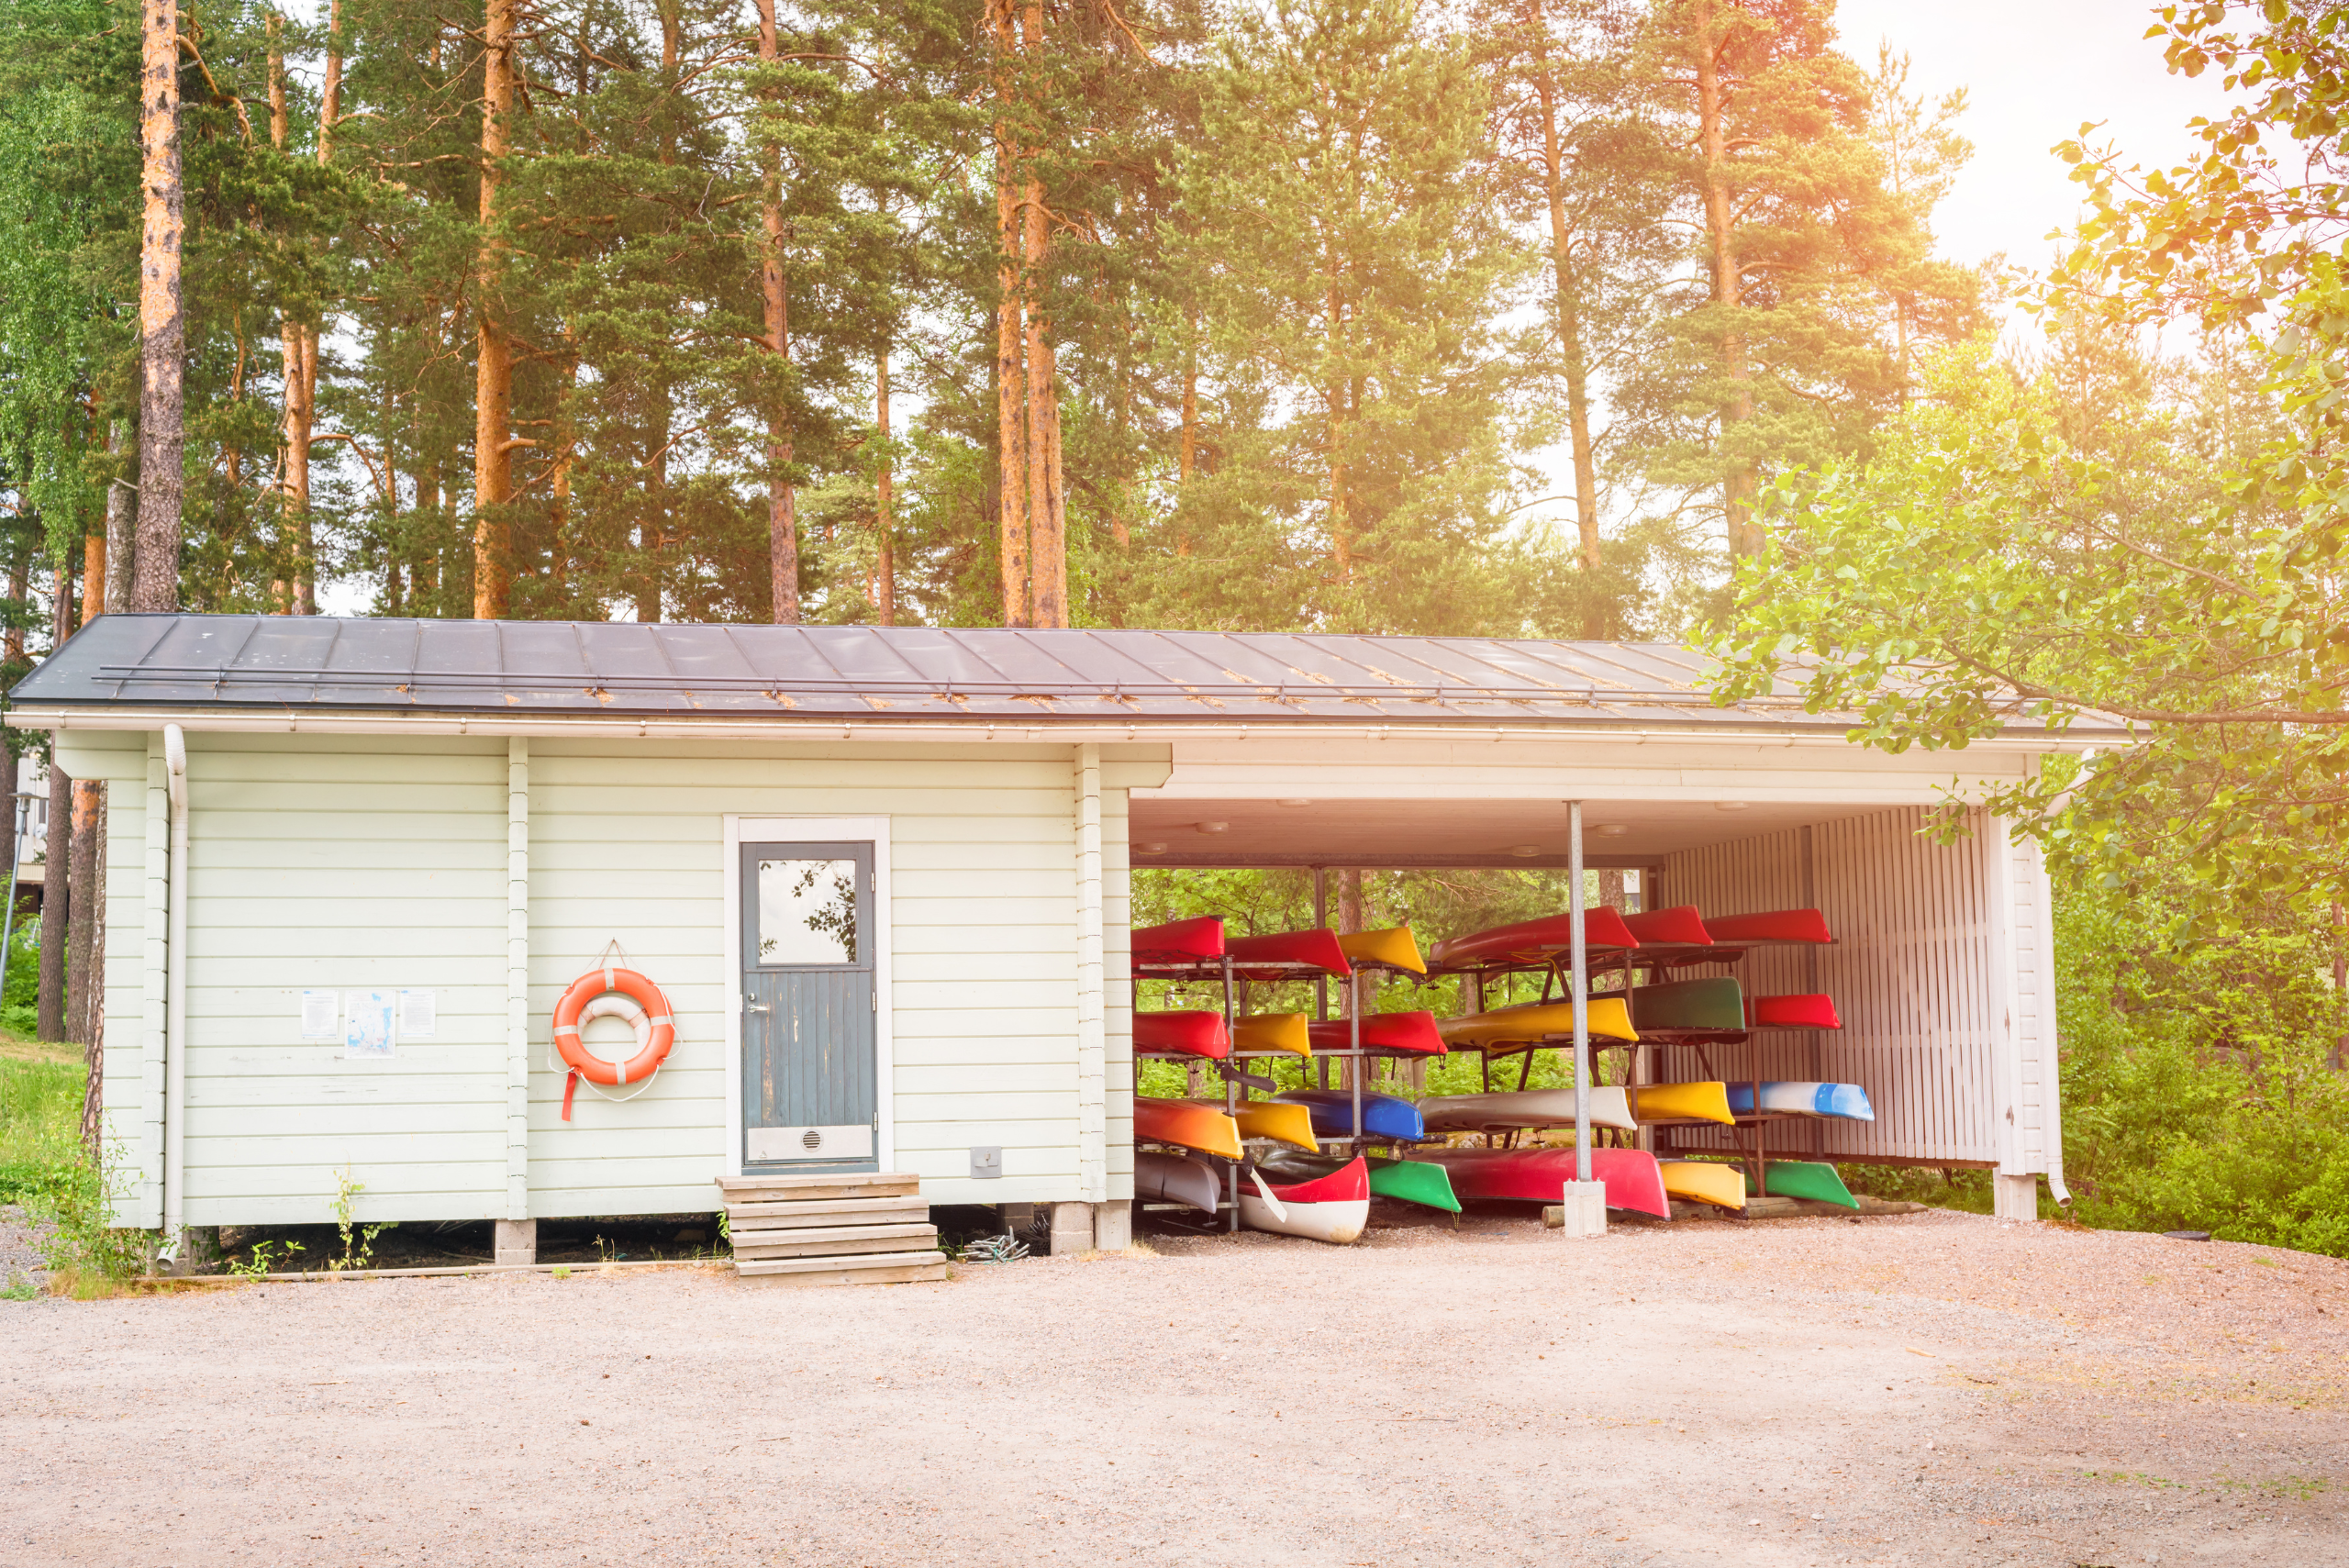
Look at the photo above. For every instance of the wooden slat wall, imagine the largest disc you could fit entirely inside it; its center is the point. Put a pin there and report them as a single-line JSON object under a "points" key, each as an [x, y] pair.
{"points": [[1911, 976]]}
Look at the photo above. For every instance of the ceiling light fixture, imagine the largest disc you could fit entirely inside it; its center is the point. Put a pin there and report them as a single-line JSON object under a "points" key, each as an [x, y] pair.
{"points": [[1610, 830], [1213, 827], [1156, 848], [1525, 851], [1729, 806], [1295, 803]]}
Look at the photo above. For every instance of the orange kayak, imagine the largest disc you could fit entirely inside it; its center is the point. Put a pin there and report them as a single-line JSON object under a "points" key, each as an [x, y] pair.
{"points": [[1507, 1028], [1186, 1126], [1274, 1032]]}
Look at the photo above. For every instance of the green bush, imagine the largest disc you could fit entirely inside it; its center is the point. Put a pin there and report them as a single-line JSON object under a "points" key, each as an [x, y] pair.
{"points": [[2199, 1090]]}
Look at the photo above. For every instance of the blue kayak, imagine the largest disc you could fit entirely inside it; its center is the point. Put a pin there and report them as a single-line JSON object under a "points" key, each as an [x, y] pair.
{"points": [[1847, 1102], [1382, 1116]]}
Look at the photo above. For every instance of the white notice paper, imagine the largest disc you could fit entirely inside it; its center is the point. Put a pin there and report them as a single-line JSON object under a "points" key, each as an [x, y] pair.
{"points": [[419, 1014], [367, 1035], [321, 1015]]}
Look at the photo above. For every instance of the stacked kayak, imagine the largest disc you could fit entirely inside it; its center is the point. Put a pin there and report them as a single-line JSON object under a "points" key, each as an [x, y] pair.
{"points": [[1394, 948], [1531, 1023], [1713, 1004], [1609, 1106], [1190, 1032], [1704, 1181], [1178, 942], [1395, 1034], [1187, 1125], [1335, 1208], [1539, 1176], [1792, 1013], [1274, 1032], [1176, 1178], [1418, 1181], [1842, 1102], [1382, 1116], [1810, 1179], [1292, 1125], [1701, 1101], [1281, 954], [1531, 943]]}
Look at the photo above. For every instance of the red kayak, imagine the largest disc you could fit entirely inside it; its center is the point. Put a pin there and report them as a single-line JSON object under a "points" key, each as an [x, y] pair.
{"points": [[1531, 941], [1316, 948], [1406, 1034], [1539, 1175], [1791, 1013], [1679, 927], [1194, 1032], [1179, 942], [1778, 926]]}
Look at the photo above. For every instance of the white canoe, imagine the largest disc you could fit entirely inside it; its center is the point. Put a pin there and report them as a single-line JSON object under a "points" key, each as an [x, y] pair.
{"points": [[1174, 1178], [1333, 1208], [1609, 1106]]}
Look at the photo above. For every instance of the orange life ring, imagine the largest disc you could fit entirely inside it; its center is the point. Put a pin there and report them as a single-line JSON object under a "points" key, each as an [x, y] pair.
{"points": [[656, 1029]]}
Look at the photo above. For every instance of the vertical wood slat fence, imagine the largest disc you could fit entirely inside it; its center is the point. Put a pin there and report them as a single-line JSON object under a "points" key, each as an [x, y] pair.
{"points": [[1911, 974]]}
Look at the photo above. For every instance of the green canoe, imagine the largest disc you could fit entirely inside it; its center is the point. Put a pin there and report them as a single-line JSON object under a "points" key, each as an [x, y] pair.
{"points": [[1716, 1003], [1794, 1178], [1406, 1181]]}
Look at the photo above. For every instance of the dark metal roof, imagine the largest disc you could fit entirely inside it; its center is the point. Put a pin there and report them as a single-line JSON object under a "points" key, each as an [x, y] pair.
{"points": [[730, 671]]}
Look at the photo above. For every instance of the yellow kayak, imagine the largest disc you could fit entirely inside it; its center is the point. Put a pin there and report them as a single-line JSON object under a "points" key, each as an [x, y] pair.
{"points": [[1393, 948], [1682, 1102], [1704, 1181], [1273, 1031], [1505, 1028], [1292, 1125]]}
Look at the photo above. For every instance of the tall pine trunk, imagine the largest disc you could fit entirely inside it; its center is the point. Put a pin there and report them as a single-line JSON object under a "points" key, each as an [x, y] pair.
{"points": [[1013, 522], [884, 522], [56, 875], [161, 326], [299, 361], [494, 364], [81, 926], [1729, 289], [1567, 292], [783, 520]]}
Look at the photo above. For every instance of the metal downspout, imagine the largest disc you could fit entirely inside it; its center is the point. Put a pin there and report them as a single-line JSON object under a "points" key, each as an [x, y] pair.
{"points": [[175, 998]]}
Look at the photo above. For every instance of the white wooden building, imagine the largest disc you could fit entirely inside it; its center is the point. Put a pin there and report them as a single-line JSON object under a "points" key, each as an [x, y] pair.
{"points": [[463, 816]]}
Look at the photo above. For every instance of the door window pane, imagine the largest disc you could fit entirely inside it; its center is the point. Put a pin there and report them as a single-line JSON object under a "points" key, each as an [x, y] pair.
{"points": [[808, 912]]}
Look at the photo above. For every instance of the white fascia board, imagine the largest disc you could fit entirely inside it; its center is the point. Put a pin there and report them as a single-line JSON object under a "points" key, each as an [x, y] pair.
{"points": [[254, 721]]}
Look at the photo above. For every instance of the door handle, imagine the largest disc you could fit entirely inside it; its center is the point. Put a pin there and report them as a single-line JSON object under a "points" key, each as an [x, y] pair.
{"points": [[758, 1007]]}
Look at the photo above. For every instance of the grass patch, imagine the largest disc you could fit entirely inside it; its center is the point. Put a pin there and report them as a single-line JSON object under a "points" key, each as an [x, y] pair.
{"points": [[41, 1115]]}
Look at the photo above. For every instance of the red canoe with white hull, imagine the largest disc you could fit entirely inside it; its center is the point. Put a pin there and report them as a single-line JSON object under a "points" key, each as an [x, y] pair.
{"points": [[1333, 1208]]}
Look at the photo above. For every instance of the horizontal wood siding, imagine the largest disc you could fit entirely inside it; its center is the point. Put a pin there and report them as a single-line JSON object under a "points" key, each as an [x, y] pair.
{"points": [[1911, 975], [381, 863], [344, 864]]}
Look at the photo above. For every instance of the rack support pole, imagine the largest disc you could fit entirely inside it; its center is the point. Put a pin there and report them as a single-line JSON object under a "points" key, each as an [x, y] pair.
{"points": [[1582, 992]]}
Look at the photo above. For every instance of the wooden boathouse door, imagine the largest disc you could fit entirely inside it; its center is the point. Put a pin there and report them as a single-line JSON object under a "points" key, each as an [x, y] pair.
{"points": [[810, 1098]]}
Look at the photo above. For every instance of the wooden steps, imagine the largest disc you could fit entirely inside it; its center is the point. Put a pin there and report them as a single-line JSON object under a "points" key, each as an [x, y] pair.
{"points": [[832, 1228]]}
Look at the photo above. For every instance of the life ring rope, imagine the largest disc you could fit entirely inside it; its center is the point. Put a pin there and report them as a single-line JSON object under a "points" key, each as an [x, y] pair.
{"points": [[611, 990]]}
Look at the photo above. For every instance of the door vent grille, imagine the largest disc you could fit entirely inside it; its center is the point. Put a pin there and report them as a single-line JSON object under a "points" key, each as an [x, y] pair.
{"points": [[811, 1140]]}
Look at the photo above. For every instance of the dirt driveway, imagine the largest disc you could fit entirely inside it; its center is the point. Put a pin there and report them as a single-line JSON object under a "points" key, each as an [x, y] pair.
{"points": [[1930, 1389]]}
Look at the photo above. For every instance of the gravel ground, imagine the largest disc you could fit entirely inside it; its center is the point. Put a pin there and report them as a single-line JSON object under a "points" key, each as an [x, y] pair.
{"points": [[1930, 1389]]}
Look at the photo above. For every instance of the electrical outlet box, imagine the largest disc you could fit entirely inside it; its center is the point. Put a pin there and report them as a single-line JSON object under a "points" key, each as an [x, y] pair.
{"points": [[987, 1164]]}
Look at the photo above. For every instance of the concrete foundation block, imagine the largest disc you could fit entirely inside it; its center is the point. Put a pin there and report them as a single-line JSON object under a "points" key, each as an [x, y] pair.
{"points": [[1072, 1228], [517, 1241], [1113, 1225], [1584, 1213], [2014, 1197]]}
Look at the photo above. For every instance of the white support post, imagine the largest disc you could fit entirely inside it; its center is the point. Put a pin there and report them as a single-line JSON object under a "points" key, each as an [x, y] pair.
{"points": [[1092, 1029], [517, 990], [1584, 1211], [146, 1141]]}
